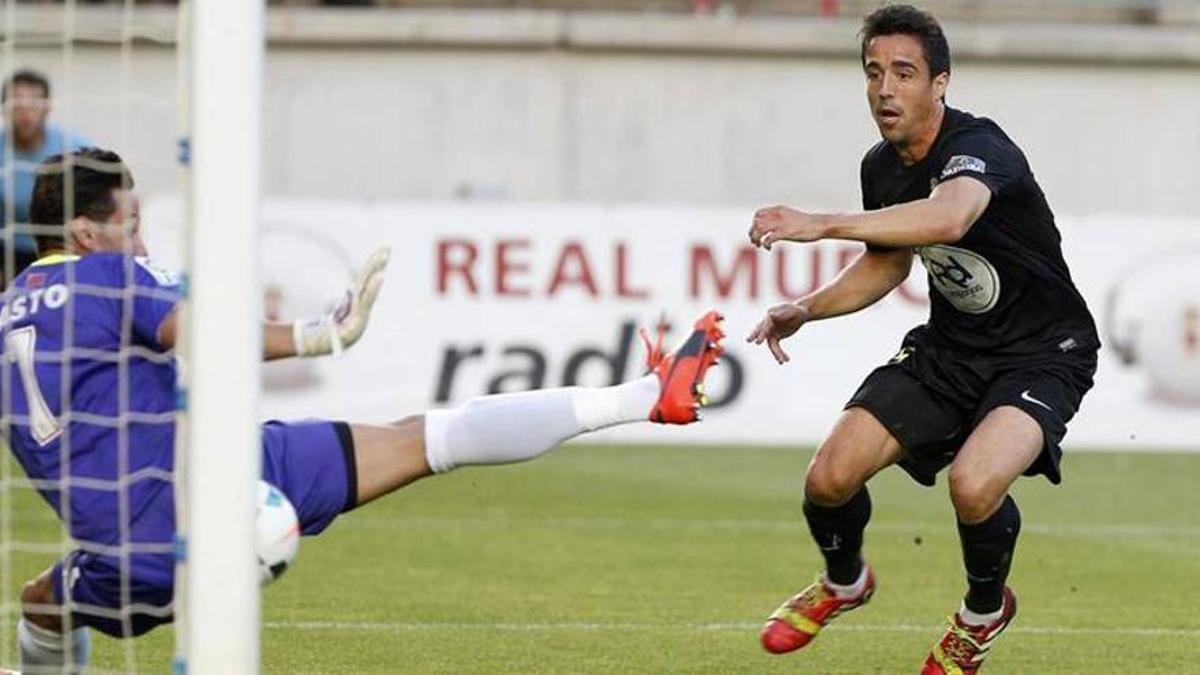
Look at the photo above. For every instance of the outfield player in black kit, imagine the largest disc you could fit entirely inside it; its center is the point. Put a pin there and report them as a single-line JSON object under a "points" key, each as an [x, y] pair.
{"points": [[986, 387]]}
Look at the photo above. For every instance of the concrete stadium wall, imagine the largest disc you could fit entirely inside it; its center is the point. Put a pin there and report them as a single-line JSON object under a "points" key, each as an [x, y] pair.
{"points": [[701, 124], [615, 127]]}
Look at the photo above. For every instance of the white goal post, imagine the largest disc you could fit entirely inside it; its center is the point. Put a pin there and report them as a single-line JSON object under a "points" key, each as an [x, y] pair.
{"points": [[222, 338]]}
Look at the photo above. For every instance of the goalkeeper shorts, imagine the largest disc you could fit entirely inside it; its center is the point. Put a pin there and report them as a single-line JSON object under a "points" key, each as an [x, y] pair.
{"points": [[311, 462]]}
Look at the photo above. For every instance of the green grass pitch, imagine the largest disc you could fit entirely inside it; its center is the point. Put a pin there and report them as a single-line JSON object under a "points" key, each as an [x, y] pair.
{"points": [[666, 559]]}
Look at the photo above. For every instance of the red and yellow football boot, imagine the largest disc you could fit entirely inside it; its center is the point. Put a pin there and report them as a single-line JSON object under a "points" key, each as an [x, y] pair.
{"points": [[802, 616], [681, 373], [963, 648]]}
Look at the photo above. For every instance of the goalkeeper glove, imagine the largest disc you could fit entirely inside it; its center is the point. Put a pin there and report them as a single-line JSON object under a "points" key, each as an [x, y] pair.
{"points": [[341, 328]]}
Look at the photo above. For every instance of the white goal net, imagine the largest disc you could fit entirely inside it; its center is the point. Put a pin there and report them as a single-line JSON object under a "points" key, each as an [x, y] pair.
{"points": [[174, 90]]}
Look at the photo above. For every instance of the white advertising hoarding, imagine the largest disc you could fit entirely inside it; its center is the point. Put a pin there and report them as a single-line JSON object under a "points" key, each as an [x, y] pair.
{"points": [[483, 298]]}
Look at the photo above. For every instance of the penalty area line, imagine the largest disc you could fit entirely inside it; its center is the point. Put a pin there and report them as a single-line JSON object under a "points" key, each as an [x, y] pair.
{"points": [[413, 626]]}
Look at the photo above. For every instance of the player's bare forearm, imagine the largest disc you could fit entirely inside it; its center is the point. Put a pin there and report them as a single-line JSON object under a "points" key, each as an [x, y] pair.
{"points": [[278, 341], [919, 223], [942, 218], [872, 275], [168, 329]]}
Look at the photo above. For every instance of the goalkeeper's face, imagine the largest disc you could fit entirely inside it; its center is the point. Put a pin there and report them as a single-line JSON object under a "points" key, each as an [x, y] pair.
{"points": [[122, 232]]}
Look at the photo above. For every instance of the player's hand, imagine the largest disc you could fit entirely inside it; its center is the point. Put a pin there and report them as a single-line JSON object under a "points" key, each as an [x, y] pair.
{"points": [[342, 327], [781, 321], [782, 223]]}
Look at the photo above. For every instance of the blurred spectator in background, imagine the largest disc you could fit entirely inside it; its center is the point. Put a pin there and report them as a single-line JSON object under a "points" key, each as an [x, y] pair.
{"points": [[26, 102]]}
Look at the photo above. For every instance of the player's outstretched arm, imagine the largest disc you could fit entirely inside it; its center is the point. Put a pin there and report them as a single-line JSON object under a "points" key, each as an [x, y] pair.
{"points": [[330, 334], [870, 277], [942, 218]]}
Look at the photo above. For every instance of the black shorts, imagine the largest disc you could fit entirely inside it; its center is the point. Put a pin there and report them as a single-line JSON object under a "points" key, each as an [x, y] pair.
{"points": [[931, 397]]}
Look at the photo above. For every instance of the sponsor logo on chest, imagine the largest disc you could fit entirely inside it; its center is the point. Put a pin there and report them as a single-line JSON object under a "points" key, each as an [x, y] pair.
{"points": [[964, 278]]}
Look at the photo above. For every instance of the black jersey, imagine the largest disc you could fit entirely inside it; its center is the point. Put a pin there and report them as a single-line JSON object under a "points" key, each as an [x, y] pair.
{"points": [[1004, 288]]}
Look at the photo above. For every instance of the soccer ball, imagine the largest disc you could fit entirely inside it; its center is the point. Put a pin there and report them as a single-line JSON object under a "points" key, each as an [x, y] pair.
{"points": [[277, 533]]}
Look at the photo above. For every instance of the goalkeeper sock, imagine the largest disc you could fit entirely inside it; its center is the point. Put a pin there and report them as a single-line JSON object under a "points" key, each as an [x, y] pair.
{"points": [[44, 651], [516, 427]]}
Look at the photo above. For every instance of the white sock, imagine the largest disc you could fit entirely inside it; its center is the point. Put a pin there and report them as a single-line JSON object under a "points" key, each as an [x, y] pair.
{"points": [[44, 651], [973, 619], [509, 428], [853, 590]]}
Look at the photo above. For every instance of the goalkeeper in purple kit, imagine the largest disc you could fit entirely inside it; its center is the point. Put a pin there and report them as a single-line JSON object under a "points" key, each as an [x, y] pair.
{"points": [[90, 390]]}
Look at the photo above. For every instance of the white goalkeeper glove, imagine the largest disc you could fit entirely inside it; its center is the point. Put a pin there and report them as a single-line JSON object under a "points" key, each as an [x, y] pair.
{"points": [[341, 328]]}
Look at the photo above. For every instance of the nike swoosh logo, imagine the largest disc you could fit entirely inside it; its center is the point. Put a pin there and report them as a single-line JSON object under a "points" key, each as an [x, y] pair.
{"points": [[1025, 396]]}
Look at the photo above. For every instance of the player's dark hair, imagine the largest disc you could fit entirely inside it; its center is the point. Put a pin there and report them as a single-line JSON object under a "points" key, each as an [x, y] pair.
{"points": [[908, 20], [92, 174], [25, 76]]}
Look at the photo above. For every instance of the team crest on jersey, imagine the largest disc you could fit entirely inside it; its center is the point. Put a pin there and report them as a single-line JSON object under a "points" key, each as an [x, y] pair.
{"points": [[961, 163], [162, 275], [965, 278]]}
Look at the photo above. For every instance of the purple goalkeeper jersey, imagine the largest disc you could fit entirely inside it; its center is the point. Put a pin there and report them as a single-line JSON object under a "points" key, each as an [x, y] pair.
{"points": [[90, 393]]}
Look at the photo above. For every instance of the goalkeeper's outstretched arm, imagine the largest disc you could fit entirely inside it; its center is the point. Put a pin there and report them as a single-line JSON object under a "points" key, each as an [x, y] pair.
{"points": [[330, 334]]}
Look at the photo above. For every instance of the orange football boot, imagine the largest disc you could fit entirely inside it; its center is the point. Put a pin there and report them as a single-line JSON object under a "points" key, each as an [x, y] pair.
{"points": [[681, 373]]}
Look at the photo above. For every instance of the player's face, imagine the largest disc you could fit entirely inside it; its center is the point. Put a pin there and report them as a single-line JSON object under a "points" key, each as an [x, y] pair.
{"points": [[902, 95], [27, 115], [123, 231]]}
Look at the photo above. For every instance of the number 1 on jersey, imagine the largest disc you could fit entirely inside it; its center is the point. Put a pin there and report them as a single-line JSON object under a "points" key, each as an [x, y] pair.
{"points": [[21, 345]]}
